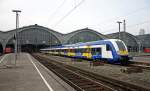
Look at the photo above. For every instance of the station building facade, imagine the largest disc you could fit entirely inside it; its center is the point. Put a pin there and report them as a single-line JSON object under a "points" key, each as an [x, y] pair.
{"points": [[144, 41], [82, 35], [30, 38], [34, 37]]}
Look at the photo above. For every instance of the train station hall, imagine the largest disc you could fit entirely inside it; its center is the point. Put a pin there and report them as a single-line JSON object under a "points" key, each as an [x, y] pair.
{"points": [[34, 37]]}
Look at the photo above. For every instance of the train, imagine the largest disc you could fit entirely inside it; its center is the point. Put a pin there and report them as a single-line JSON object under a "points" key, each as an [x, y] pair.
{"points": [[108, 50], [8, 50], [146, 50]]}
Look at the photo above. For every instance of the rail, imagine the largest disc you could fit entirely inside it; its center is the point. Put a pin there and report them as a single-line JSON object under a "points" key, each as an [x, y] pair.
{"points": [[83, 80]]}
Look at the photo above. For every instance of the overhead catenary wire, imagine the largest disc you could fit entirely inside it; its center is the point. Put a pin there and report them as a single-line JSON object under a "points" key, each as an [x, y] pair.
{"points": [[55, 12], [76, 5], [68, 13], [133, 25], [139, 23], [126, 15], [111, 20]]}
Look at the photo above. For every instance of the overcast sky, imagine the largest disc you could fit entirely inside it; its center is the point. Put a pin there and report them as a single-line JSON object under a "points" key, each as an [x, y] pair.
{"points": [[100, 15]]}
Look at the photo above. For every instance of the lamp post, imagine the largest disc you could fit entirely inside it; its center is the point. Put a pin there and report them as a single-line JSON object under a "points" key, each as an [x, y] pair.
{"points": [[17, 26], [119, 28]]}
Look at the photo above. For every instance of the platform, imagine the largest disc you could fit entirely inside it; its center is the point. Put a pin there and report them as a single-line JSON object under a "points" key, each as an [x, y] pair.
{"points": [[142, 59], [28, 75]]}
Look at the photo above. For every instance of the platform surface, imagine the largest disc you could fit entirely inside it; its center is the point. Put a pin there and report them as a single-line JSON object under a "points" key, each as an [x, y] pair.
{"points": [[144, 59], [28, 75]]}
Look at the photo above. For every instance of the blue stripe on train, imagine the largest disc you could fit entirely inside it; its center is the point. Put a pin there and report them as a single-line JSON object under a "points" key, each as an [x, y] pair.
{"points": [[98, 56]]}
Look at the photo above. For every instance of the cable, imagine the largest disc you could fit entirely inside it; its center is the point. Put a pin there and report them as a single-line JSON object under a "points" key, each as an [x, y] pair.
{"points": [[130, 25], [54, 13], [128, 14], [139, 23], [68, 13]]}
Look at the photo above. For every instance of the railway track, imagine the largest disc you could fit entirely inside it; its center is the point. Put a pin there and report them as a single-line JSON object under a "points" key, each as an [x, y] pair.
{"points": [[85, 81], [140, 66]]}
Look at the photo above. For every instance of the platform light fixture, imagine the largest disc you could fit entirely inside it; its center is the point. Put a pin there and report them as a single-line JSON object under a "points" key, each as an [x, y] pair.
{"points": [[17, 26], [119, 22]]}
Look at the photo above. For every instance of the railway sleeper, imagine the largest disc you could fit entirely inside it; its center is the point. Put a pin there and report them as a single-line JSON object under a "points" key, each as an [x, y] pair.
{"points": [[96, 89], [84, 83], [92, 85], [129, 87]]}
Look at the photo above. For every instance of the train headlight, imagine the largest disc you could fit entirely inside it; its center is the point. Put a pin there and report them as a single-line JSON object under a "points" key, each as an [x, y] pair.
{"points": [[122, 52]]}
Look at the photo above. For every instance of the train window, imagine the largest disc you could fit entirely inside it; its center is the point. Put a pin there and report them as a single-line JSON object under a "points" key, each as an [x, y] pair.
{"points": [[72, 50], [88, 50], [108, 47], [120, 45], [93, 50], [65, 50], [76, 50], [81, 50], [98, 50]]}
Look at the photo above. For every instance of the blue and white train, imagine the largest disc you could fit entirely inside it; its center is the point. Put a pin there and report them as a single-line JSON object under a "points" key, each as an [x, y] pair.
{"points": [[109, 50]]}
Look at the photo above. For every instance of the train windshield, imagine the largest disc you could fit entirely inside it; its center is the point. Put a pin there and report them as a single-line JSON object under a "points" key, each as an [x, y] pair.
{"points": [[120, 45]]}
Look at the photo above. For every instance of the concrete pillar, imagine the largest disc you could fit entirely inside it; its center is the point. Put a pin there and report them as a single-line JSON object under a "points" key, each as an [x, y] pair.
{"points": [[4, 46]]}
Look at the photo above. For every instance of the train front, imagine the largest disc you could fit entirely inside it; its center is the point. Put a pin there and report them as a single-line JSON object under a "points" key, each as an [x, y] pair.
{"points": [[122, 52]]}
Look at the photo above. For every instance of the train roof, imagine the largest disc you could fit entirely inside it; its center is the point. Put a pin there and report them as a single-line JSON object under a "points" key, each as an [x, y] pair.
{"points": [[93, 42], [106, 41]]}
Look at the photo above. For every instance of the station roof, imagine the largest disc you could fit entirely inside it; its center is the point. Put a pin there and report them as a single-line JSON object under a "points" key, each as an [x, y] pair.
{"points": [[68, 36], [128, 38], [9, 34], [145, 40]]}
